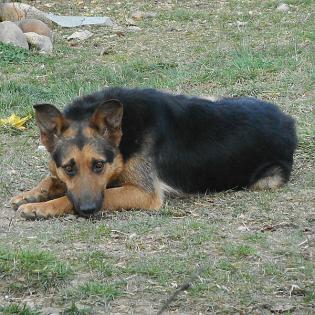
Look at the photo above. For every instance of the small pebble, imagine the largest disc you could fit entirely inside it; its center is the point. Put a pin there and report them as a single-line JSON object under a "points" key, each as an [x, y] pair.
{"points": [[240, 23], [106, 51], [283, 7], [134, 29], [80, 35], [41, 148]]}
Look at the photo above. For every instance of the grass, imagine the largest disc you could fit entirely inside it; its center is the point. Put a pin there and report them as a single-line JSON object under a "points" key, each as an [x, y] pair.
{"points": [[252, 251], [32, 269], [74, 310], [108, 291], [17, 309], [12, 54]]}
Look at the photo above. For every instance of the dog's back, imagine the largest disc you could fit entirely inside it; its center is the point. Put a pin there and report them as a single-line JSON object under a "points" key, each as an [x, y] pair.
{"points": [[198, 145]]}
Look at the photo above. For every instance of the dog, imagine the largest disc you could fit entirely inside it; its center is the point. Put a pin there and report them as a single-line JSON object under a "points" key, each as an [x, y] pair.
{"points": [[125, 148]]}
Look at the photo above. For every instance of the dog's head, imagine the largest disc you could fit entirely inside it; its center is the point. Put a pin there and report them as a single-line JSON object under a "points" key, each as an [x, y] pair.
{"points": [[85, 151]]}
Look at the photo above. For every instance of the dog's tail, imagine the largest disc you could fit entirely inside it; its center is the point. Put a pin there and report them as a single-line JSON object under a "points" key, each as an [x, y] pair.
{"points": [[270, 175]]}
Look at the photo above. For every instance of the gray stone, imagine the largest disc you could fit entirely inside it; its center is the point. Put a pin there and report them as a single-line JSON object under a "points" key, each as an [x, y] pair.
{"points": [[15, 11], [73, 21], [12, 34], [40, 42]]}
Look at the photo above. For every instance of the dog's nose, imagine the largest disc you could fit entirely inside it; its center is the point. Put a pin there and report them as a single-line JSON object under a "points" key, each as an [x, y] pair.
{"points": [[87, 209]]}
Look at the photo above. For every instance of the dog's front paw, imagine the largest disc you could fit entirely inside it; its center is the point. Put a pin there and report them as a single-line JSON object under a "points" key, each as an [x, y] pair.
{"points": [[34, 211], [24, 198]]}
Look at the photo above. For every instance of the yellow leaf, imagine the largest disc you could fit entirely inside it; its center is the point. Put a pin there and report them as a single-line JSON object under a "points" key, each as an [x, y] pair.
{"points": [[15, 121]]}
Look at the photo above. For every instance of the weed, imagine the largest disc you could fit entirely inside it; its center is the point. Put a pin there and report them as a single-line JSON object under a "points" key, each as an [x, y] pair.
{"points": [[17, 310], [31, 268]]}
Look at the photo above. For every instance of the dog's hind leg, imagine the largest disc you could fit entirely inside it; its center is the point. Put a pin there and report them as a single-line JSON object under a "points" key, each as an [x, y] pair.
{"points": [[47, 189], [270, 176]]}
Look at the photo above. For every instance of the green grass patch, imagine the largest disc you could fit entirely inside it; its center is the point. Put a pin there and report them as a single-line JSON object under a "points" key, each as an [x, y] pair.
{"points": [[97, 290], [244, 64], [184, 15], [256, 238], [225, 265], [272, 269], [309, 295], [101, 262], [12, 54], [75, 310], [240, 251], [164, 269], [17, 310], [31, 268], [87, 232]]}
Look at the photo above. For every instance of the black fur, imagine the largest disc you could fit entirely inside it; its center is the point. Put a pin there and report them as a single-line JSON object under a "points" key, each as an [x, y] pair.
{"points": [[196, 144]]}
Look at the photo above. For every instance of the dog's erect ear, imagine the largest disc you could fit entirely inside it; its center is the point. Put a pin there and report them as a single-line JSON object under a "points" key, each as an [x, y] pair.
{"points": [[107, 115], [50, 122], [107, 119], [49, 119]]}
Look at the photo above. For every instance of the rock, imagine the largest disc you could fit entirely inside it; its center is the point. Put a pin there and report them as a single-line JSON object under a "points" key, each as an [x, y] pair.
{"points": [[133, 28], [119, 31], [15, 11], [150, 15], [8, 12], [12, 34], [283, 7], [80, 35], [73, 21], [130, 22], [138, 15], [34, 26], [40, 42], [106, 50]]}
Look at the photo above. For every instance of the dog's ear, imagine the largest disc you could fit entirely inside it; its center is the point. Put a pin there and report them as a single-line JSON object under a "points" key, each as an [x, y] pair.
{"points": [[107, 119], [50, 122]]}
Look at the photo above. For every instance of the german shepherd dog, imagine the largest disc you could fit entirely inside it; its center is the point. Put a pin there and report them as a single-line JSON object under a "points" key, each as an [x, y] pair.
{"points": [[124, 148]]}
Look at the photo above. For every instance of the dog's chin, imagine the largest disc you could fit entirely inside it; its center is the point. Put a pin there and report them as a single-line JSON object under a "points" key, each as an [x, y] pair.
{"points": [[85, 214]]}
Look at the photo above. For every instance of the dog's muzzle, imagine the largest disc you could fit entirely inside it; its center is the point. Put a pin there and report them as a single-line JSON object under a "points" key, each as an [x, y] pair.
{"points": [[86, 206]]}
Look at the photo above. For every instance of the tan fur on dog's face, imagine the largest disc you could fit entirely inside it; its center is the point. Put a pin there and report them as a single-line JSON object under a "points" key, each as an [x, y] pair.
{"points": [[85, 153]]}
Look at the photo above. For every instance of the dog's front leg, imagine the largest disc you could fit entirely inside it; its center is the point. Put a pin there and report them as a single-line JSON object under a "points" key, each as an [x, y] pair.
{"points": [[47, 189], [131, 197], [52, 208]]}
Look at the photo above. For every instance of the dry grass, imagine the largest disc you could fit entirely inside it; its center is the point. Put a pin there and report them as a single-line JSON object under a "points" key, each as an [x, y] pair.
{"points": [[256, 249]]}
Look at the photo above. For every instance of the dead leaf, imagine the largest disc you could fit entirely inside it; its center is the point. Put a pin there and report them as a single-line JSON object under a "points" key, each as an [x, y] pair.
{"points": [[15, 121]]}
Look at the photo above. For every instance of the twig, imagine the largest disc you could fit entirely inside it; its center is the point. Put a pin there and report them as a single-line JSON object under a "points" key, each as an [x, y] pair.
{"points": [[183, 287], [173, 296]]}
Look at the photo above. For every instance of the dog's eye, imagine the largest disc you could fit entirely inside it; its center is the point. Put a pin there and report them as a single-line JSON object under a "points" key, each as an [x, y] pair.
{"points": [[69, 170], [98, 166]]}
